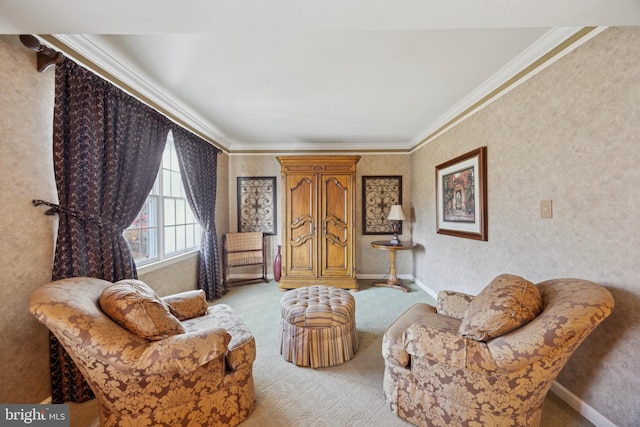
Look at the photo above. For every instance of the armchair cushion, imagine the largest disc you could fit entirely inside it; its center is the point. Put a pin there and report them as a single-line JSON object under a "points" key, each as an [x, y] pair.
{"points": [[136, 307], [187, 305], [507, 303]]}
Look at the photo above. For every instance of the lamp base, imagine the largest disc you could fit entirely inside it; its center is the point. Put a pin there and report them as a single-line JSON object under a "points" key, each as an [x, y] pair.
{"points": [[394, 240]]}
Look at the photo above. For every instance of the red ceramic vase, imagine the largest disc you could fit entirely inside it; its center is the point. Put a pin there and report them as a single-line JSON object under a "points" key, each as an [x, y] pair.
{"points": [[277, 266]]}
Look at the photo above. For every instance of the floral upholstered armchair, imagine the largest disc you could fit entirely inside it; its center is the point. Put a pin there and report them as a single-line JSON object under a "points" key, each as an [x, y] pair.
{"points": [[169, 361], [488, 360]]}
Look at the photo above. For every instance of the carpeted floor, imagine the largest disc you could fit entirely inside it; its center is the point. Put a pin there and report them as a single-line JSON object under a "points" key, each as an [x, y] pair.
{"points": [[344, 395]]}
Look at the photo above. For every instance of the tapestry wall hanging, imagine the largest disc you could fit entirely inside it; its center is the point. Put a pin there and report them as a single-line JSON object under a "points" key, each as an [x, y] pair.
{"points": [[379, 193], [257, 207]]}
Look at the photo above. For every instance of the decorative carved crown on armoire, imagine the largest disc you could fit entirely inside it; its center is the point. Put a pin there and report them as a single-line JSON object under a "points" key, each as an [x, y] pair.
{"points": [[318, 244]]}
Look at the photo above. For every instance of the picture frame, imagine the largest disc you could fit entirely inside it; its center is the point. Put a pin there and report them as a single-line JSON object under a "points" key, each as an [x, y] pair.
{"points": [[461, 196], [257, 204], [379, 193]]}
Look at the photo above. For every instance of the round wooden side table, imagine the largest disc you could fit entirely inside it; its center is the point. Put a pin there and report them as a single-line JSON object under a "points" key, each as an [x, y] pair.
{"points": [[393, 281]]}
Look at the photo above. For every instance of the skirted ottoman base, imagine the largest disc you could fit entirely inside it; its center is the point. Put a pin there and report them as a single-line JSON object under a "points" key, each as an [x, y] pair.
{"points": [[318, 326]]}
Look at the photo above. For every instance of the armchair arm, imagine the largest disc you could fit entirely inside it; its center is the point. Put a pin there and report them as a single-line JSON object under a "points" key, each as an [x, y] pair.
{"points": [[439, 345], [187, 305], [439, 342], [241, 350], [453, 304], [182, 353], [393, 340]]}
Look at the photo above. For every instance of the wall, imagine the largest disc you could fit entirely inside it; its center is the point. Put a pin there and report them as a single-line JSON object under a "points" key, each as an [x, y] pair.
{"points": [[570, 134], [247, 166], [26, 248], [369, 262]]}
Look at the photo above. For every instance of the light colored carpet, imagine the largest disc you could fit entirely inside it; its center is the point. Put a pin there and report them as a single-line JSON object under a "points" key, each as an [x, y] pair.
{"points": [[346, 395]]}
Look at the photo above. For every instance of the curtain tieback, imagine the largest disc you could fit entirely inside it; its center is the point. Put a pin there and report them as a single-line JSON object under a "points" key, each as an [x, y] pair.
{"points": [[93, 219]]}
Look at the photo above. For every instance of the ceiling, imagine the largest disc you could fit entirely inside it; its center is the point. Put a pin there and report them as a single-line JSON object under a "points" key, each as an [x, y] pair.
{"points": [[333, 76]]}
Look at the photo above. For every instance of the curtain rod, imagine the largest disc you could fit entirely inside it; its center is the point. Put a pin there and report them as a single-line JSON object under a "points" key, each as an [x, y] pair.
{"points": [[46, 57]]}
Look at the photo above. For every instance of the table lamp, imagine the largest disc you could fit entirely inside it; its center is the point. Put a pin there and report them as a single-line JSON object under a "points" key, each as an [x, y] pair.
{"points": [[396, 215]]}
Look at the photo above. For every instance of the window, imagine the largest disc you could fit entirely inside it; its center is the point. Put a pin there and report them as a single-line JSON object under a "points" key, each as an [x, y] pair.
{"points": [[165, 226]]}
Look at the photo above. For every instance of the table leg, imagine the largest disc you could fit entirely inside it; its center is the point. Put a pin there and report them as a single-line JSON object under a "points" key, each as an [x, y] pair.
{"points": [[393, 281]]}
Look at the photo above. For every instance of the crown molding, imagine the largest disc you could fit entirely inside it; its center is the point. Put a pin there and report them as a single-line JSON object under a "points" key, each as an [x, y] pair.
{"points": [[326, 147], [549, 48], [88, 54], [552, 46], [318, 151]]}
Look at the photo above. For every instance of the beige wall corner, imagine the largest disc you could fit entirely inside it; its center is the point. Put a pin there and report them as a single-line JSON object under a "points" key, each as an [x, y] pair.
{"points": [[26, 247]]}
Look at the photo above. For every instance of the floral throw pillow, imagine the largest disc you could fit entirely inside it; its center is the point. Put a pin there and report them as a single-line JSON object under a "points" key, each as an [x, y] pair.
{"points": [[136, 307], [187, 305], [507, 303]]}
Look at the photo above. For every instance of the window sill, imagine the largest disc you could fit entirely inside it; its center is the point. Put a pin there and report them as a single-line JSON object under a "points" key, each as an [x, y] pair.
{"points": [[147, 268]]}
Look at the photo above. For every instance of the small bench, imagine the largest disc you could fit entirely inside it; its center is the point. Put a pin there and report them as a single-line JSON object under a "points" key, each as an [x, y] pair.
{"points": [[317, 326], [244, 250]]}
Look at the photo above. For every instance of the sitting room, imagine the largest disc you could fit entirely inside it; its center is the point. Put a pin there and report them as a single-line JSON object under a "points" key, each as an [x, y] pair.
{"points": [[550, 129]]}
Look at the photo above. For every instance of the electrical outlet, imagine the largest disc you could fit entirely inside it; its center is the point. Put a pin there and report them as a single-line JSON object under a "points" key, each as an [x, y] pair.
{"points": [[545, 209]]}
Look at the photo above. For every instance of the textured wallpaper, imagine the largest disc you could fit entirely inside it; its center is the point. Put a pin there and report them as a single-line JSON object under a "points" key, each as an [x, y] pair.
{"points": [[374, 261], [253, 166], [26, 246], [570, 134]]}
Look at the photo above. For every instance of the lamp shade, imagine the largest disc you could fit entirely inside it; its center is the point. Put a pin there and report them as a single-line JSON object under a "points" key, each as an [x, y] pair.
{"points": [[396, 213]]}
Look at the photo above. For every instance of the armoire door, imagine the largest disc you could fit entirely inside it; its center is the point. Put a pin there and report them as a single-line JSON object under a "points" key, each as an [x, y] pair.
{"points": [[301, 218], [336, 225]]}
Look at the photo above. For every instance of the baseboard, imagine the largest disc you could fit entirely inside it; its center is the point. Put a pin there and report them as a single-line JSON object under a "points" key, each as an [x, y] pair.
{"points": [[243, 276], [425, 288], [371, 276], [401, 276], [580, 406]]}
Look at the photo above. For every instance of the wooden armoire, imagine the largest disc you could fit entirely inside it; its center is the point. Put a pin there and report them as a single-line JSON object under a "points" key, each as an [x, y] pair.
{"points": [[318, 243]]}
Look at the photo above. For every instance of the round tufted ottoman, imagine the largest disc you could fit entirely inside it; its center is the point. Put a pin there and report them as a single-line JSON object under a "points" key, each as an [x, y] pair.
{"points": [[318, 326]]}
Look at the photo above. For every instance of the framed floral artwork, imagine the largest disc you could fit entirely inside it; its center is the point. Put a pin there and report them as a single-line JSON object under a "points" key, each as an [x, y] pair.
{"points": [[461, 196]]}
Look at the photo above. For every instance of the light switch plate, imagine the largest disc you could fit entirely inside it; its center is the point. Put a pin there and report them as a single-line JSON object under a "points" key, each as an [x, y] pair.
{"points": [[545, 209]]}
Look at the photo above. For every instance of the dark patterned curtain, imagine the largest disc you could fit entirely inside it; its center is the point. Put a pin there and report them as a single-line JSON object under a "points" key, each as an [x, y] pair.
{"points": [[198, 166], [107, 148]]}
